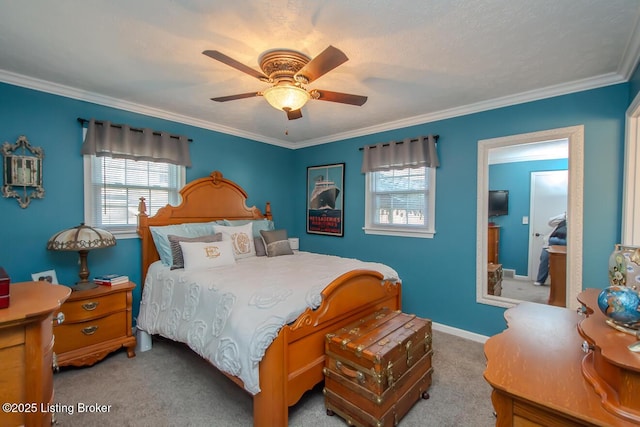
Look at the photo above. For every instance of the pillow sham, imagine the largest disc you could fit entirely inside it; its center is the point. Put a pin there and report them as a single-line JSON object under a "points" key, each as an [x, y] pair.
{"points": [[259, 245], [276, 242], [176, 250], [160, 236], [258, 224], [202, 255], [241, 238]]}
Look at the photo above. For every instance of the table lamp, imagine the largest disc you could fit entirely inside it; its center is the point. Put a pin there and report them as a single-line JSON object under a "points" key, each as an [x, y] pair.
{"points": [[83, 239]]}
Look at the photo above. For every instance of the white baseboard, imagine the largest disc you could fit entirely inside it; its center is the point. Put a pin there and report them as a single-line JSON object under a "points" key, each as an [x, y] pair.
{"points": [[460, 333]]}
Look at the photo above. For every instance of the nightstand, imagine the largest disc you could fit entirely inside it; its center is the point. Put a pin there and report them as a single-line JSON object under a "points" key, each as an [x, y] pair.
{"points": [[96, 322]]}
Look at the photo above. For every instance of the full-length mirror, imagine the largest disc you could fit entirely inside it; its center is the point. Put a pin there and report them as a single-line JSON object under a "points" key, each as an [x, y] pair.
{"points": [[525, 181]]}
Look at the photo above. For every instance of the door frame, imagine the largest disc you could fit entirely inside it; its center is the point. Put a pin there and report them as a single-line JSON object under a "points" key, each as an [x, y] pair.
{"points": [[575, 135]]}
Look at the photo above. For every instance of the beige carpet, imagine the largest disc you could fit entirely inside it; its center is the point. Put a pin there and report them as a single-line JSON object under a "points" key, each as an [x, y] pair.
{"points": [[524, 290], [172, 386]]}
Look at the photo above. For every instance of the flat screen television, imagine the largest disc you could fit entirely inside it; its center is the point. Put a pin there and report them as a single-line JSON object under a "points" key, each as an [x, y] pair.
{"points": [[498, 202]]}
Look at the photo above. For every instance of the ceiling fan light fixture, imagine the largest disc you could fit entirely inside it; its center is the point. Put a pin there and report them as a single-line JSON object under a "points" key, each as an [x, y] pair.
{"points": [[286, 97]]}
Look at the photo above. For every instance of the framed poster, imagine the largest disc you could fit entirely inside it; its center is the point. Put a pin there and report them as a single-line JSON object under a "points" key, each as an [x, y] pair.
{"points": [[325, 199]]}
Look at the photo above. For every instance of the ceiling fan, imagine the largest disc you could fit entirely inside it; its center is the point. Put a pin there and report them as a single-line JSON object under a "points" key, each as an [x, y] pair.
{"points": [[288, 71]]}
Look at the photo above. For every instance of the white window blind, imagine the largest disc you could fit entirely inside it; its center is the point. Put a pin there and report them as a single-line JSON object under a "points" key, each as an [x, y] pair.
{"points": [[113, 188], [401, 202]]}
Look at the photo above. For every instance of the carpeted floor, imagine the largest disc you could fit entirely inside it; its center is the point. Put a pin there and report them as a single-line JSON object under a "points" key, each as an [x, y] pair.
{"points": [[524, 290], [172, 386]]}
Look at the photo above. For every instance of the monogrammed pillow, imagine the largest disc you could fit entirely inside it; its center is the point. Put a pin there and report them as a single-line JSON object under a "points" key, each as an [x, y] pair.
{"points": [[176, 250], [241, 238], [202, 255]]}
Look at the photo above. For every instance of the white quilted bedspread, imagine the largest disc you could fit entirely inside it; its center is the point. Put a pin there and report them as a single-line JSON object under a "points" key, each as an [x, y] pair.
{"points": [[229, 315]]}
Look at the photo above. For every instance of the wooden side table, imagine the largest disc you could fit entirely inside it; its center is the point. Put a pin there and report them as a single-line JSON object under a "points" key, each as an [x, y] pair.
{"points": [[26, 342], [97, 322]]}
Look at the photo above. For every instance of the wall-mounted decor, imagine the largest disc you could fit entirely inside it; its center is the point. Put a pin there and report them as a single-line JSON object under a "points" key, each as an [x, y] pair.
{"points": [[325, 199], [22, 171]]}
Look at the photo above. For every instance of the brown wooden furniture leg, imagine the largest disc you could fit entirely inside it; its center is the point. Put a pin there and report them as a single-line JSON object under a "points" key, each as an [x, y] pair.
{"points": [[270, 406]]}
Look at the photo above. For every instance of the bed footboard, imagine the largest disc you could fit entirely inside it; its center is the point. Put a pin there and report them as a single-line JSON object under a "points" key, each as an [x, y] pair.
{"points": [[293, 363]]}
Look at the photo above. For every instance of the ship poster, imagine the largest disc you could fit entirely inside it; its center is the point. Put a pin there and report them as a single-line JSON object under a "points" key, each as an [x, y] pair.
{"points": [[325, 199]]}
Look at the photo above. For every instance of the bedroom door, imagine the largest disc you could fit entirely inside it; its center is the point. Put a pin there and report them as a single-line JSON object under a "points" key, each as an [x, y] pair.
{"points": [[548, 199]]}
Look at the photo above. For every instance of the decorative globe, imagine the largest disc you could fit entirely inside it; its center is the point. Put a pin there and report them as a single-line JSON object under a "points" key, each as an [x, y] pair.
{"points": [[621, 304]]}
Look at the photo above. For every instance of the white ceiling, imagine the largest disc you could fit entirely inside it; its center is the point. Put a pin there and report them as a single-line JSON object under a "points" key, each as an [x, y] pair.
{"points": [[416, 61]]}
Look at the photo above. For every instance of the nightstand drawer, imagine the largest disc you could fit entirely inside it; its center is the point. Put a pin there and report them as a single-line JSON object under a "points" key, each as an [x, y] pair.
{"points": [[71, 336], [91, 308]]}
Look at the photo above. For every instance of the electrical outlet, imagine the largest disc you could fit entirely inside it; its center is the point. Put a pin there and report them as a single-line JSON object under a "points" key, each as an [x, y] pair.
{"points": [[525, 220]]}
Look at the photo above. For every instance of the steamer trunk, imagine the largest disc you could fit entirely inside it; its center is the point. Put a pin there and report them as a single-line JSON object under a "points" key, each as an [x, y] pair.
{"points": [[377, 368]]}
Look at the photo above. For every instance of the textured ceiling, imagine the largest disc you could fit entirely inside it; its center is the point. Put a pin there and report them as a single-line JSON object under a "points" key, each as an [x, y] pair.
{"points": [[436, 59]]}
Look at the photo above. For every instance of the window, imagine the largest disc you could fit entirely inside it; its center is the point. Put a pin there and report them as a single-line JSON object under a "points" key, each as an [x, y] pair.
{"points": [[401, 202], [113, 188]]}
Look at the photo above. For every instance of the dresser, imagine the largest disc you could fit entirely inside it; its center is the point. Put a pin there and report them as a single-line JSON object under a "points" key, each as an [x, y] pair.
{"points": [[26, 343], [558, 275], [493, 244], [97, 322], [536, 370]]}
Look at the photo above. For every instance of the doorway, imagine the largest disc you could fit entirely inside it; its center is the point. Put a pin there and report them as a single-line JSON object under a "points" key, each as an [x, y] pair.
{"points": [[548, 199]]}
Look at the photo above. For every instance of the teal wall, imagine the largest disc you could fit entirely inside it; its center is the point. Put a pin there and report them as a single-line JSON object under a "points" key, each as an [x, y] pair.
{"points": [[49, 122], [514, 236], [634, 84], [438, 273]]}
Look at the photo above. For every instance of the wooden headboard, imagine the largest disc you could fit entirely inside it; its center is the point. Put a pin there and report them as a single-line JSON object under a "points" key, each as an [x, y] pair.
{"points": [[205, 199]]}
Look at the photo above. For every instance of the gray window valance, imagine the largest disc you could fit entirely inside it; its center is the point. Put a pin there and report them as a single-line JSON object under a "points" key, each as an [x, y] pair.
{"points": [[124, 142], [411, 152]]}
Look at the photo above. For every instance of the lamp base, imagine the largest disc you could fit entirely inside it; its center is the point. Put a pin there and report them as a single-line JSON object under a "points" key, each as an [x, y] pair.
{"points": [[83, 286]]}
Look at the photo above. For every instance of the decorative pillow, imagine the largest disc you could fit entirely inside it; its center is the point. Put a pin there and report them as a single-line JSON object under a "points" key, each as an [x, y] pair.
{"points": [[176, 250], [201, 255], [258, 224], [241, 238], [259, 244], [276, 242], [160, 236]]}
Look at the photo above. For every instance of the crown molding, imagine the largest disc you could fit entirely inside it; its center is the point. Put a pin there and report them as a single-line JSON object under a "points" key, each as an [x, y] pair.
{"points": [[506, 101], [81, 95], [533, 95]]}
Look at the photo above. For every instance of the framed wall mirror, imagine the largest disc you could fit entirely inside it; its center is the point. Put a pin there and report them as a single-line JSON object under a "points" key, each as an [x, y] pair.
{"points": [[512, 237], [22, 171]]}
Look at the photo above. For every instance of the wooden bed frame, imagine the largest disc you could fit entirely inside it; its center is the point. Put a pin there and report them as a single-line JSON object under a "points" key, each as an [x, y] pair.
{"points": [[293, 362]]}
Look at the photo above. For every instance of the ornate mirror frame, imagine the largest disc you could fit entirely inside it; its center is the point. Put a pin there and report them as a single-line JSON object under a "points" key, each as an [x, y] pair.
{"points": [[575, 136], [22, 171]]}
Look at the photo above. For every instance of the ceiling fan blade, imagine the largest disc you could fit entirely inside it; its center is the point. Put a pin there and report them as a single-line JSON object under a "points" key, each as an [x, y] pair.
{"points": [[234, 97], [343, 98], [293, 114], [326, 61], [219, 56]]}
